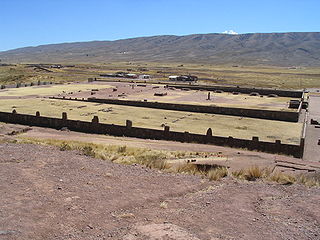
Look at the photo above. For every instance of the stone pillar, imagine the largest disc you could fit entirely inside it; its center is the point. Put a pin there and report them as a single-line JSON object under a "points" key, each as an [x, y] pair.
{"points": [[37, 114], [277, 147], [95, 119], [128, 124], [302, 146], [230, 141], [209, 132], [186, 136], [256, 139], [166, 129], [254, 143], [64, 116]]}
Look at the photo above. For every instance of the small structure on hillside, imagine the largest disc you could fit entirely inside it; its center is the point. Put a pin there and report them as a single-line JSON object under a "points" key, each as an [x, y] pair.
{"points": [[131, 75], [120, 75], [183, 78]]}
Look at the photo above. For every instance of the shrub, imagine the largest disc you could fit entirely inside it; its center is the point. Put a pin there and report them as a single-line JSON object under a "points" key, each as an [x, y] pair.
{"points": [[310, 180], [88, 151], [240, 174], [187, 168], [65, 147], [217, 173], [253, 173], [282, 178], [122, 149]]}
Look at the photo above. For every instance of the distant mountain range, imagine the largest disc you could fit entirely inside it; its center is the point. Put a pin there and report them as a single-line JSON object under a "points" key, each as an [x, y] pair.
{"points": [[278, 49]]}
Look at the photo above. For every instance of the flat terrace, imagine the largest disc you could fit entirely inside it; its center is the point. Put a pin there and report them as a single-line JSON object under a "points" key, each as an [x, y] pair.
{"points": [[138, 92], [222, 125]]}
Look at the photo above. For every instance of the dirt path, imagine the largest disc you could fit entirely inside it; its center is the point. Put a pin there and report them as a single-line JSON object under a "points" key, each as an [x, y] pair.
{"points": [[51, 194], [312, 149]]}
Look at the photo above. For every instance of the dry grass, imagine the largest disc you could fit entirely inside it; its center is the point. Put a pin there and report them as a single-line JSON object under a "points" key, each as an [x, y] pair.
{"points": [[284, 179], [216, 174], [129, 155], [187, 168], [239, 174], [49, 90], [158, 160], [253, 173], [310, 180], [164, 205], [119, 154]]}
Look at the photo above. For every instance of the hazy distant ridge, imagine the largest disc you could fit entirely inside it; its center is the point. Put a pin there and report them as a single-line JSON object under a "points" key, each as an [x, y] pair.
{"points": [[285, 49]]}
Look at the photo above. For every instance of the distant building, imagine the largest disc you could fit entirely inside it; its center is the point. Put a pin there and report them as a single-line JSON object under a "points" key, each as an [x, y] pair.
{"points": [[145, 76], [184, 78], [120, 75], [173, 78], [131, 75]]}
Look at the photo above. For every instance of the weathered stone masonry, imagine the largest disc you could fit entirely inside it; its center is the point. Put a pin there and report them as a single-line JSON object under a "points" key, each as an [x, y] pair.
{"points": [[145, 133]]}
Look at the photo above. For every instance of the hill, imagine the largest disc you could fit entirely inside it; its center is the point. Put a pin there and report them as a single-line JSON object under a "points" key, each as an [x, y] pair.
{"points": [[277, 49]]}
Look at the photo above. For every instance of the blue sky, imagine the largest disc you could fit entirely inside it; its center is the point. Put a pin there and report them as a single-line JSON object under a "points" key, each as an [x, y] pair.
{"points": [[37, 22]]}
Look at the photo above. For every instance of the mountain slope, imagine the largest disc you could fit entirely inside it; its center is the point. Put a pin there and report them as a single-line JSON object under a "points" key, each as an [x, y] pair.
{"points": [[285, 49]]}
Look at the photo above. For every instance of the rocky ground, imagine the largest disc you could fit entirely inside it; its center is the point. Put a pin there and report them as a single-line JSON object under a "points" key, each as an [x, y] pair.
{"points": [[51, 194]]}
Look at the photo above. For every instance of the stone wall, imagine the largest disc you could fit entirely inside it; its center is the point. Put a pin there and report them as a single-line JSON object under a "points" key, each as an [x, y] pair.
{"points": [[242, 112], [261, 91], [145, 133]]}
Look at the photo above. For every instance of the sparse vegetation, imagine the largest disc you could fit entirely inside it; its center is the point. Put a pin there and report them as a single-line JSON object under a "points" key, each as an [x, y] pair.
{"points": [[156, 159], [217, 173], [187, 169], [255, 76], [253, 173], [282, 178], [164, 204]]}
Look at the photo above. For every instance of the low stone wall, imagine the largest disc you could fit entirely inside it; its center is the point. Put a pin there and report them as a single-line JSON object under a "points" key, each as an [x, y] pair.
{"points": [[242, 112], [145, 133], [261, 91]]}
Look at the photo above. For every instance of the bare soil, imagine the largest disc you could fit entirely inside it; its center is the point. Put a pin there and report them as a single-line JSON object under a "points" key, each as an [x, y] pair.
{"points": [[51, 194]]}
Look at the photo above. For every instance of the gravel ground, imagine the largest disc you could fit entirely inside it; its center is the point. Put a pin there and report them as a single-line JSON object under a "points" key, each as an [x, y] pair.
{"points": [[51, 194]]}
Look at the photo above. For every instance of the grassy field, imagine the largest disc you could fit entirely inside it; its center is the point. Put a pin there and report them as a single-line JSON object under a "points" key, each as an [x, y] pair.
{"points": [[23, 74], [274, 77], [48, 90], [154, 118]]}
